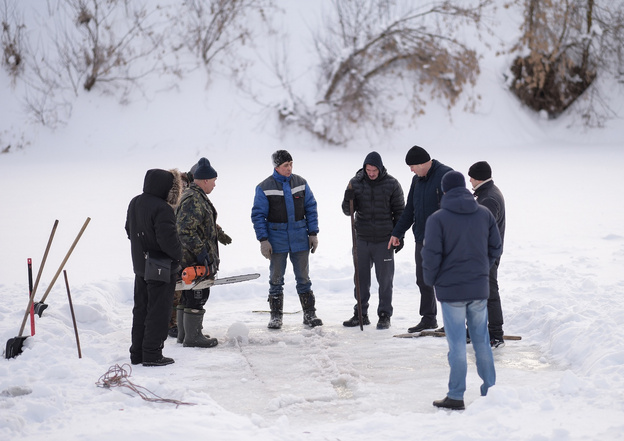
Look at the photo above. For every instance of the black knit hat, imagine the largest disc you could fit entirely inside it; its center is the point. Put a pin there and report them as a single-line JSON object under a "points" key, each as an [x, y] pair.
{"points": [[374, 159], [417, 155], [204, 170], [480, 171], [452, 179], [280, 156]]}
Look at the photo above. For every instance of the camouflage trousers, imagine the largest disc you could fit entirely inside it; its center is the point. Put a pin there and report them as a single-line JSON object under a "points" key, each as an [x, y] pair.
{"points": [[173, 321]]}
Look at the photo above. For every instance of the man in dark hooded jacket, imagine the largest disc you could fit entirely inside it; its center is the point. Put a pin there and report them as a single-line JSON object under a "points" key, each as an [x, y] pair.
{"points": [[377, 203], [422, 201], [461, 244], [151, 228]]}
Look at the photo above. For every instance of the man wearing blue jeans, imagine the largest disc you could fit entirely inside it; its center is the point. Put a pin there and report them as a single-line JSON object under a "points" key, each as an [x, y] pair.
{"points": [[462, 242], [285, 220]]}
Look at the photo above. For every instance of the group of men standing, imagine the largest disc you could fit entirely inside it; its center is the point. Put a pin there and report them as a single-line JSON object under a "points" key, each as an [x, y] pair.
{"points": [[458, 248]]}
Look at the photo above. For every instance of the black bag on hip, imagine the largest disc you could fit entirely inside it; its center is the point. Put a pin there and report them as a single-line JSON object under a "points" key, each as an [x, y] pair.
{"points": [[157, 267]]}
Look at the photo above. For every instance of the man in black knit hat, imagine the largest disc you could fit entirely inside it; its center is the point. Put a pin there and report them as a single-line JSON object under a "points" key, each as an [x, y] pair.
{"points": [[377, 203], [490, 196], [422, 201]]}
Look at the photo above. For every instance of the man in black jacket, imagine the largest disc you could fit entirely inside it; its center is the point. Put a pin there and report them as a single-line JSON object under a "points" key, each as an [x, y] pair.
{"points": [[151, 228], [423, 200], [377, 203], [490, 196]]}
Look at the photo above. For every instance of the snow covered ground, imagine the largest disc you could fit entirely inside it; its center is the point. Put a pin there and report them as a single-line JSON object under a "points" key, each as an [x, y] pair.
{"points": [[561, 281]]}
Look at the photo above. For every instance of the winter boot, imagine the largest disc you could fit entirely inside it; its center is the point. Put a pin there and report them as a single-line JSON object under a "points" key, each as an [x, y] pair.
{"points": [[309, 311], [193, 337], [277, 311], [355, 321], [180, 321]]}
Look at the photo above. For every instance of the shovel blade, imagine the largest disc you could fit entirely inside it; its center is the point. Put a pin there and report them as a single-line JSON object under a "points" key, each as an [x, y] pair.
{"points": [[39, 308], [14, 347]]}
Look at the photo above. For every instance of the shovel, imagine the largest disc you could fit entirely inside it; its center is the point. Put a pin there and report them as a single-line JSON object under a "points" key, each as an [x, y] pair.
{"points": [[40, 306], [358, 297], [14, 345]]}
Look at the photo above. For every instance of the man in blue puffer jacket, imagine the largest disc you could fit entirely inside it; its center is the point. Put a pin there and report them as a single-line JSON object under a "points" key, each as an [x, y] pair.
{"points": [[462, 242], [285, 220]]}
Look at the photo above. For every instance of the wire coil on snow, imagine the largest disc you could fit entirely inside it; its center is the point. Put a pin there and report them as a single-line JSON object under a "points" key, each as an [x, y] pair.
{"points": [[117, 376]]}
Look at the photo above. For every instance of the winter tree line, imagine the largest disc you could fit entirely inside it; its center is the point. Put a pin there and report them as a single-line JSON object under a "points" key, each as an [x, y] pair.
{"points": [[368, 54]]}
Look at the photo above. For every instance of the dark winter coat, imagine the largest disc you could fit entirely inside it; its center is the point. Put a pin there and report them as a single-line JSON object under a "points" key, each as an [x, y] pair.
{"points": [[491, 197], [197, 227], [151, 222], [462, 242], [378, 205], [423, 200], [284, 212]]}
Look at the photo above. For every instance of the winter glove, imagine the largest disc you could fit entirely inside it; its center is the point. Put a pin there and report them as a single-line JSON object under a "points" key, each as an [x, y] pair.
{"points": [[313, 242], [349, 194], [266, 249], [399, 247], [203, 259], [223, 238]]}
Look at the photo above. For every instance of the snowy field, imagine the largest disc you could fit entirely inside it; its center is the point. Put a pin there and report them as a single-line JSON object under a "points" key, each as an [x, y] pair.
{"points": [[562, 286]]}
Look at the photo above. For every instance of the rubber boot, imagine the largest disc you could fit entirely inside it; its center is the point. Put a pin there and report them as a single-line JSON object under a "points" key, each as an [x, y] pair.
{"points": [[277, 311], [193, 337], [180, 321], [309, 311]]}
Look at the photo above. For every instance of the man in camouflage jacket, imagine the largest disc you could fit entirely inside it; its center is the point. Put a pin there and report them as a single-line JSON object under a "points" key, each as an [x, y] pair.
{"points": [[198, 232]]}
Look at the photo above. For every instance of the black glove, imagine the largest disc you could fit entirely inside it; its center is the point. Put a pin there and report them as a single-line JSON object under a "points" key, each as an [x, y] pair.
{"points": [[204, 259], [223, 238], [399, 247], [349, 194]]}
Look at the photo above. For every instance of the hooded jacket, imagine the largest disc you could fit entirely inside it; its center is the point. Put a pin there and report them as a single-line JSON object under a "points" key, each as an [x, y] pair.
{"points": [[461, 243], [378, 204], [422, 201], [151, 222], [284, 212]]}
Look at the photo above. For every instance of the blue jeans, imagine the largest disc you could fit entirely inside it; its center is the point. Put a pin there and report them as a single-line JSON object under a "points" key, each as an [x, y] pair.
{"points": [[301, 268], [456, 315]]}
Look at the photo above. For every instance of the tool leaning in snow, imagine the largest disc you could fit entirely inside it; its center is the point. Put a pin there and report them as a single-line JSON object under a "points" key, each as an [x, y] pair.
{"points": [[197, 277], [40, 306], [14, 345], [71, 309], [442, 334]]}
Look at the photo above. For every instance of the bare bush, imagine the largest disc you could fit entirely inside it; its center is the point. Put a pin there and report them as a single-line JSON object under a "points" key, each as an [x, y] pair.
{"points": [[214, 29], [12, 39], [370, 49], [565, 45], [111, 43]]}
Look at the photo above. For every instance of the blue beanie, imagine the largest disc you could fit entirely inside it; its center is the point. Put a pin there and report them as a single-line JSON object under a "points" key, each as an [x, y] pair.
{"points": [[451, 180], [204, 170]]}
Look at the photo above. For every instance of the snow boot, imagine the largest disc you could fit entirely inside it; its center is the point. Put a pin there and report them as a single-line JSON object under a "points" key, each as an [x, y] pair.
{"points": [[193, 337], [277, 311], [180, 321], [309, 311], [355, 321]]}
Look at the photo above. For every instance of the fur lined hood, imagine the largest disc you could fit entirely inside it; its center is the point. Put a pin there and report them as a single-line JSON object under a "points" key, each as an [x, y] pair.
{"points": [[173, 198]]}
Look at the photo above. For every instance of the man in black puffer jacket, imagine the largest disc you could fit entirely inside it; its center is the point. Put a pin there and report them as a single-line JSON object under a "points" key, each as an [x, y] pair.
{"points": [[377, 203], [151, 228]]}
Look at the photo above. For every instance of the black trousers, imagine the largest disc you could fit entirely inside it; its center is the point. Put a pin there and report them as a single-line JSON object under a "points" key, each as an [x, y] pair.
{"points": [[428, 305], [195, 299], [495, 311], [377, 254], [153, 302]]}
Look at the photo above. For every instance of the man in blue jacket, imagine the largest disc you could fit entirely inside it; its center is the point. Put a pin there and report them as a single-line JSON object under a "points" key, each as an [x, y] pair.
{"points": [[462, 242], [422, 201], [285, 220]]}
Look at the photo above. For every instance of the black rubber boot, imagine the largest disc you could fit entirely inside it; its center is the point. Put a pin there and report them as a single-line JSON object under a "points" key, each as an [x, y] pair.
{"points": [[277, 311], [309, 311], [193, 337], [180, 321]]}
